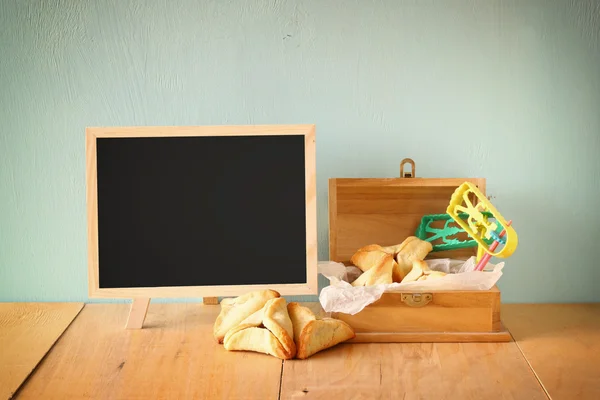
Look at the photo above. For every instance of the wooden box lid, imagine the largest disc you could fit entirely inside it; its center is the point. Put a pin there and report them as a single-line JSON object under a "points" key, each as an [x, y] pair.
{"points": [[386, 211]]}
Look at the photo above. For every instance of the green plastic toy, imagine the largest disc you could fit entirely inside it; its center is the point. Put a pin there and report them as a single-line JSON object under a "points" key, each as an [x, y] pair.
{"points": [[428, 233]]}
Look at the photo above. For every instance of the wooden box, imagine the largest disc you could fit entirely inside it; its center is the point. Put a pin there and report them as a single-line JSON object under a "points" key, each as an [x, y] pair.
{"points": [[386, 211]]}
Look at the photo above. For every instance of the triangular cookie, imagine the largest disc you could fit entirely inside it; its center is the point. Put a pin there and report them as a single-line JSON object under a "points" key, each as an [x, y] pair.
{"points": [[269, 330], [420, 271], [416, 272], [367, 257], [393, 249], [379, 274], [313, 335], [235, 310], [412, 249]]}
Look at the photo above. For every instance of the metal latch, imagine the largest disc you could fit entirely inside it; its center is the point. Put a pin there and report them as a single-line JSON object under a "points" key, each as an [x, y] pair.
{"points": [[411, 174], [416, 299]]}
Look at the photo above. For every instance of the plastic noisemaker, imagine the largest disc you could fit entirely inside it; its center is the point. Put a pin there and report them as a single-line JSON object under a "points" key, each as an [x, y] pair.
{"points": [[445, 237], [484, 260], [468, 199]]}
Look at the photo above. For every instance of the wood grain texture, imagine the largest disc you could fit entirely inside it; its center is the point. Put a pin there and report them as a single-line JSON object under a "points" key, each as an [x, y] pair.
{"points": [[138, 312], [562, 344], [453, 311], [91, 193], [174, 356], [201, 291], [27, 332], [503, 335], [312, 241], [92, 133], [208, 130], [386, 211], [333, 230], [412, 371]]}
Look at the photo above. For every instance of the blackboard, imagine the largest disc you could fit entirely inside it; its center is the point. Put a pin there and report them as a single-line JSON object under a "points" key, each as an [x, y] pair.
{"points": [[221, 208]]}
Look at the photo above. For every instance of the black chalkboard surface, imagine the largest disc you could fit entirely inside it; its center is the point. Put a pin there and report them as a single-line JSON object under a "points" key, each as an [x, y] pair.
{"points": [[181, 211]]}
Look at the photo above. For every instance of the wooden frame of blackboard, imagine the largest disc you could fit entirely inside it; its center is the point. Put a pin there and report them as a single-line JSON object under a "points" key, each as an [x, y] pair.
{"points": [[143, 293]]}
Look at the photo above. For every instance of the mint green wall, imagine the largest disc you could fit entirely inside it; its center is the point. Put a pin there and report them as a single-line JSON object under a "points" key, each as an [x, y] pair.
{"points": [[508, 90]]}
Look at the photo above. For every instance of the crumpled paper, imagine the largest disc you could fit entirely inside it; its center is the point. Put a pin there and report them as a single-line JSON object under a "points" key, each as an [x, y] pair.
{"points": [[341, 296]]}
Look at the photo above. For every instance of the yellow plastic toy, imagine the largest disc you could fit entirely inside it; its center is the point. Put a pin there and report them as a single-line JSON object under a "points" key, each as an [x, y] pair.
{"points": [[479, 226]]}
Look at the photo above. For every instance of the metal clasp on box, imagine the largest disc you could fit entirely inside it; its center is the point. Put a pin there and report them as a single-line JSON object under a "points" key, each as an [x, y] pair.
{"points": [[407, 174], [416, 299]]}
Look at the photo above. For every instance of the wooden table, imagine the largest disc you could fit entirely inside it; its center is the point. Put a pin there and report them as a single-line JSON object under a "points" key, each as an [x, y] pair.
{"points": [[556, 355], [561, 343], [27, 332]]}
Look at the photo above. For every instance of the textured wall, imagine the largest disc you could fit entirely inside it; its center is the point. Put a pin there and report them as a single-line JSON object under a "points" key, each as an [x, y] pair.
{"points": [[508, 90]]}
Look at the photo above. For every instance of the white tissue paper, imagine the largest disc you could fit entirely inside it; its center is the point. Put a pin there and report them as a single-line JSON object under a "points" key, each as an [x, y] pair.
{"points": [[341, 296]]}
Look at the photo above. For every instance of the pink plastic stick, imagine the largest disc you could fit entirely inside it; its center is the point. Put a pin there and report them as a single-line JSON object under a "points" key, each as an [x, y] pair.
{"points": [[486, 257]]}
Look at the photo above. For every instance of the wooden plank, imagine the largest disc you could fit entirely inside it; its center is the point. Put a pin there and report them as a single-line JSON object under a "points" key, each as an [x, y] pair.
{"points": [[500, 335], [393, 182], [27, 332], [562, 345], [205, 130], [173, 357], [408, 200], [290, 289], [412, 371], [138, 312], [452, 311], [332, 215], [503, 335]]}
